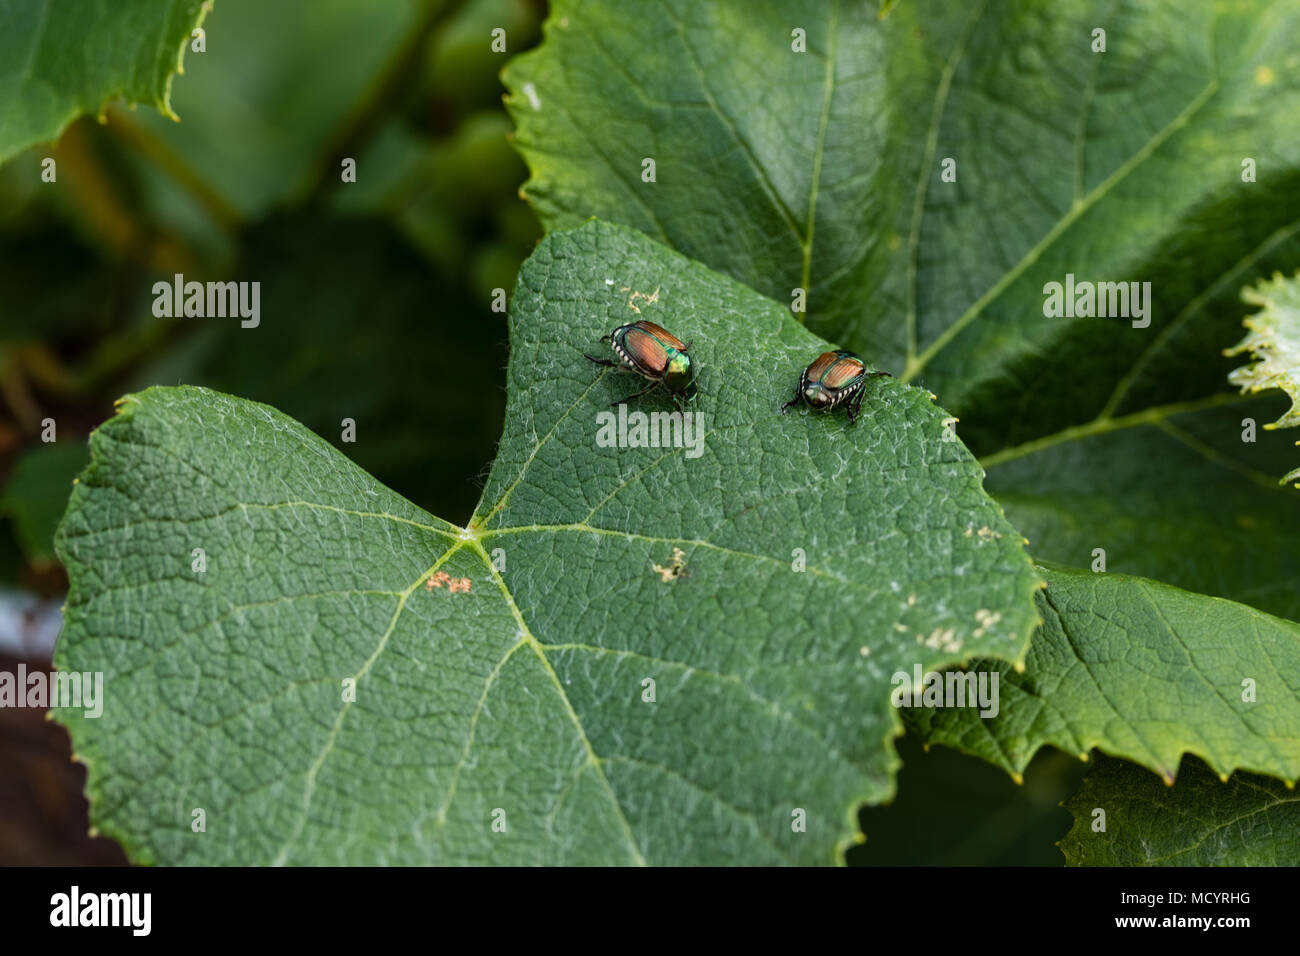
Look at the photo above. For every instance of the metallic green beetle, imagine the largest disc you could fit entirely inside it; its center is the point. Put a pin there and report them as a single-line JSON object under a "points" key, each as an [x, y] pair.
{"points": [[834, 378], [655, 354]]}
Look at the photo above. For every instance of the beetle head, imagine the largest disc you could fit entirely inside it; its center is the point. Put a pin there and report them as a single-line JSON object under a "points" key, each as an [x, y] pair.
{"points": [[680, 376]]}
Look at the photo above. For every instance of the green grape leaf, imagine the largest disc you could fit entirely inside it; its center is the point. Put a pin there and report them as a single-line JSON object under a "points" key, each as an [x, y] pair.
{"points": [[60, 60], [922, 177], [1144, 671], [1199, 821], [660, 654], [1273, 341], [1186, 494], [1168, 158], [1100, 434]]}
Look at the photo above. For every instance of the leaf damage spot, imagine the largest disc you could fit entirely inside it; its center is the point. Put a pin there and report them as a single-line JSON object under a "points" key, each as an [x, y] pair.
{"points": [[649, 299], [454, 585], [673, 571]]}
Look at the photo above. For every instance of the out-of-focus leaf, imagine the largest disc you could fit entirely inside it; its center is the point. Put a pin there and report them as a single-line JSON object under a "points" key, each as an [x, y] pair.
{"points": [[274, 88], [59, 60], [353, 325], [37, 492], [1177, 496], [1199, 821]]}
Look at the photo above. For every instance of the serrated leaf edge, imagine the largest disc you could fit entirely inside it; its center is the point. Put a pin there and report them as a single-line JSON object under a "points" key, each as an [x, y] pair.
{"points": [[1273, 341]]}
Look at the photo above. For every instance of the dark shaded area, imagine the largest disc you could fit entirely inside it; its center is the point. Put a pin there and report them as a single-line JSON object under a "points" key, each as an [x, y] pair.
{"points": [[43, 813], [954, 810], [355, 326]]}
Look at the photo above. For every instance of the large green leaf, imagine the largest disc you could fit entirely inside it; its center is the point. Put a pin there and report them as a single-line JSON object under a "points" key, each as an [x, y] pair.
{"points": [[524, 692], [1144, 671], [1136, 485], [824, 170], [59, 60], [1199, 821], [1173, 493]]}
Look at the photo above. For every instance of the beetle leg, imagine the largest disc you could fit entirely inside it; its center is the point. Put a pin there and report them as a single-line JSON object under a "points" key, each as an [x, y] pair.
{"points": [[637, 395], [854, 404], [798, 394], [600, 361]]}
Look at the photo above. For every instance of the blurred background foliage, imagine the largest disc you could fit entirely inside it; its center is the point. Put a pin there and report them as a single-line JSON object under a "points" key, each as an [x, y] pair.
{"points": [[376, 306], [375, 295]]}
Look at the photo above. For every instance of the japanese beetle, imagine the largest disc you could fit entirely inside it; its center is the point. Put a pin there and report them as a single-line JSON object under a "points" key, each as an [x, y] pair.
{"points": [[655, 354], [834, 378]]}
